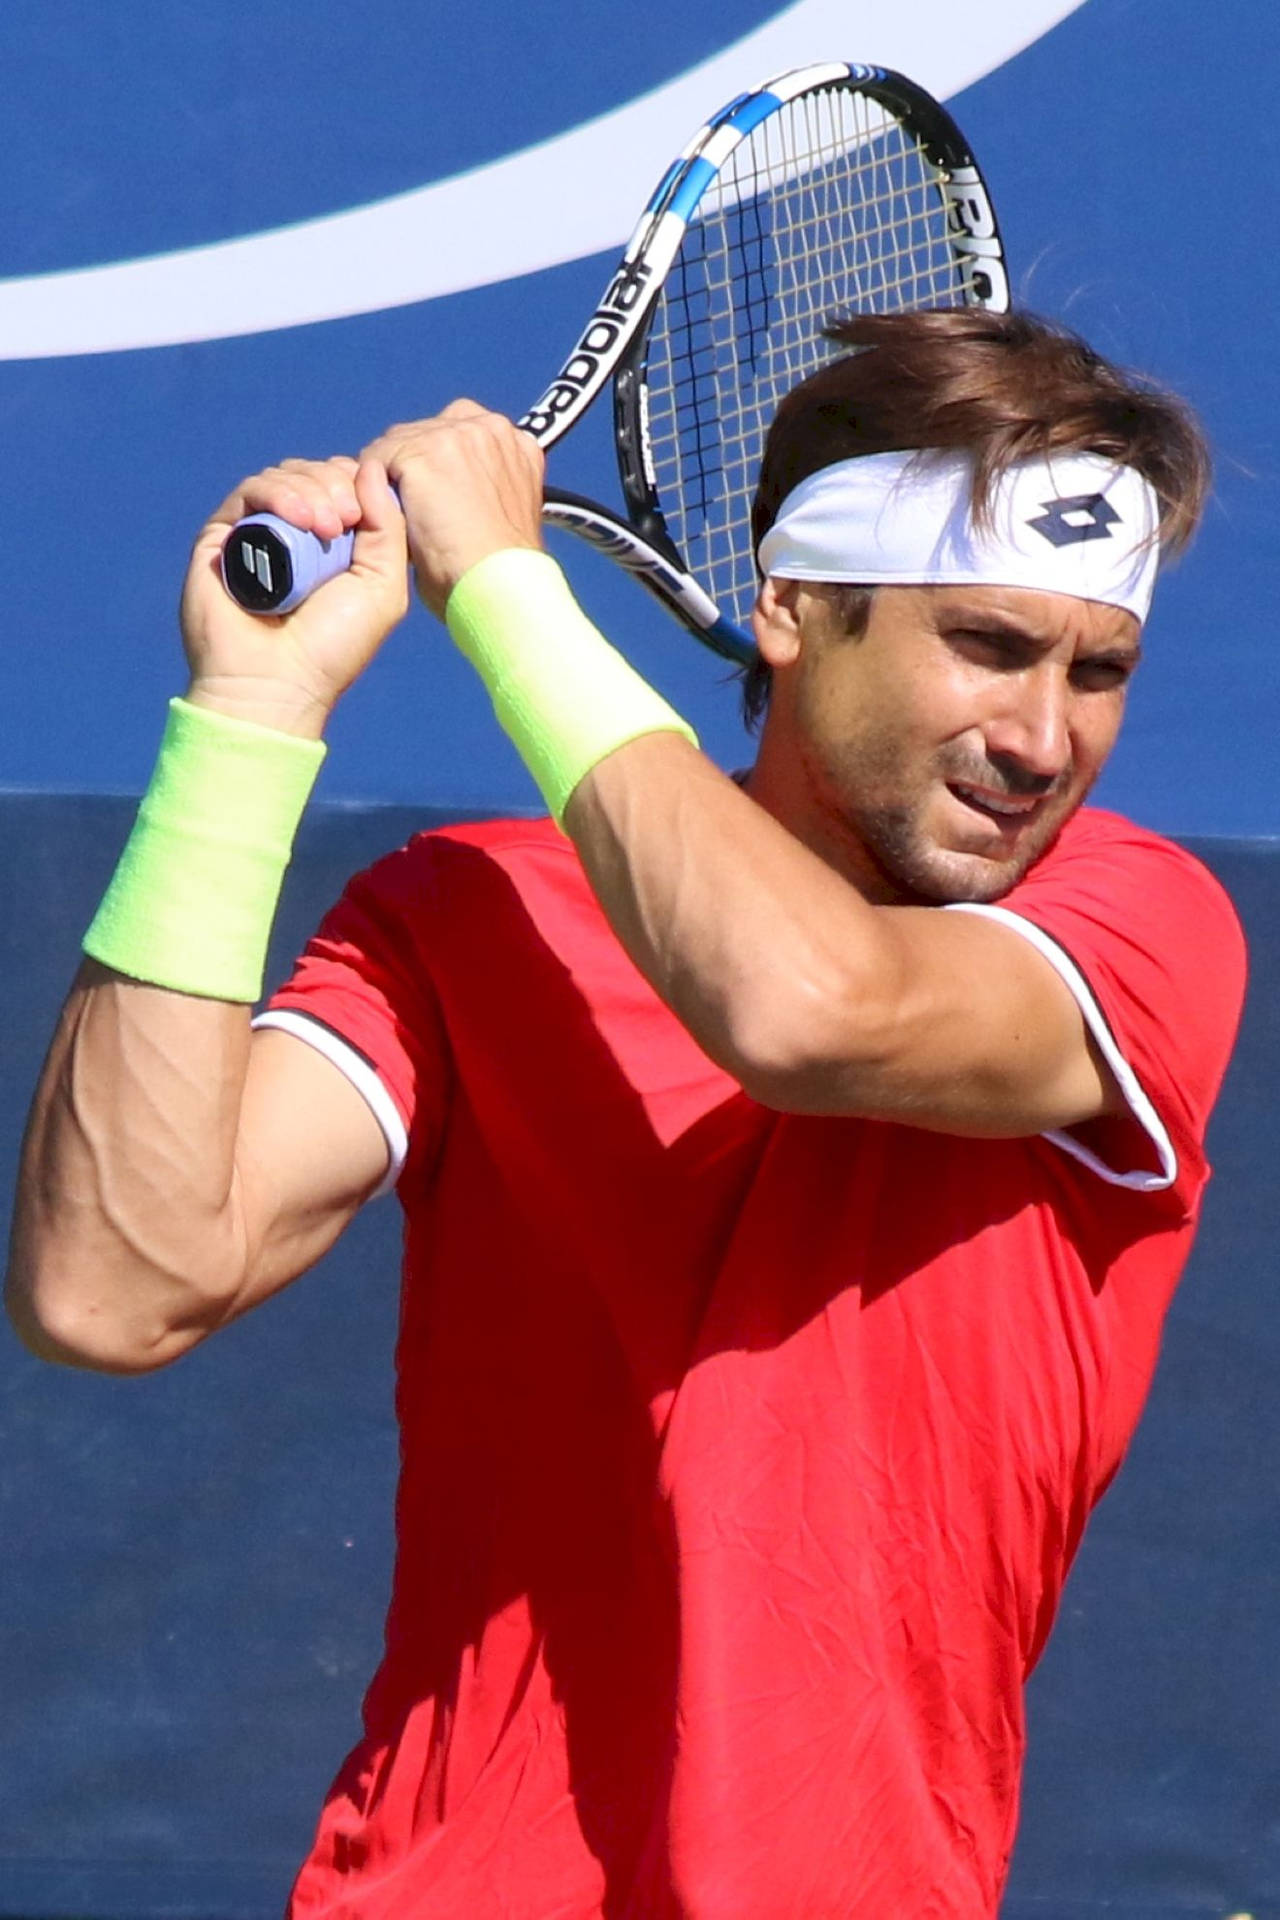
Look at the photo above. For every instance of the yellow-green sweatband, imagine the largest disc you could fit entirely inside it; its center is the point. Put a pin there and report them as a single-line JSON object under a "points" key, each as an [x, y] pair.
{"points": [[191, 902], [565, 696]]}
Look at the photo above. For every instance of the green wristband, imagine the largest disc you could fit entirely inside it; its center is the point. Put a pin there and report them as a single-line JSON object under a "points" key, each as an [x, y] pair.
{"points": [[565, 696], [191, 903]]}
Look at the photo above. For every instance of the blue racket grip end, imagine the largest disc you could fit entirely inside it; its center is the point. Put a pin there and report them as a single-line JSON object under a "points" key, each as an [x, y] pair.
{"points": [[269, 566]]}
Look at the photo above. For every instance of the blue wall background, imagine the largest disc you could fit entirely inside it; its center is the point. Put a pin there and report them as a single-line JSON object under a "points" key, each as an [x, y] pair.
{"points": [[196, 1563]]}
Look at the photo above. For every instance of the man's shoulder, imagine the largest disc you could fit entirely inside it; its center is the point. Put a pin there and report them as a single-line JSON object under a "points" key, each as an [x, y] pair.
{"points": [[1097, 830], [472, 870], [1132, 906], [1107, 855], [463, 846], [495, 837], [498, 833]]}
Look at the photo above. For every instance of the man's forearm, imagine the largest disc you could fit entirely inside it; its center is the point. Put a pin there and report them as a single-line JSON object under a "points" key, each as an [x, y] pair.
{"points": [[814, 999], [752, 941], [128, 1243]]}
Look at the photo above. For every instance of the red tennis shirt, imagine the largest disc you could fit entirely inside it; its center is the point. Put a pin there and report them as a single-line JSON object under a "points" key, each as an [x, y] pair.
{"points": [[744, 1454]]}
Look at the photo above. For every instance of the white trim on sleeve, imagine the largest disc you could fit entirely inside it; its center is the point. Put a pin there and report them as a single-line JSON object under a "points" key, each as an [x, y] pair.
{"points": [[1138, 1102], [355, 1068]]}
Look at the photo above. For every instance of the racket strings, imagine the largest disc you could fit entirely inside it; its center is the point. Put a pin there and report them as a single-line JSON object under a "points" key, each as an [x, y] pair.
{"points": [[830, 207]]}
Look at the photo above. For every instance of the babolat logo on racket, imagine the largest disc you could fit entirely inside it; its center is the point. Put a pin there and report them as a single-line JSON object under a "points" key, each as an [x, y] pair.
{"points": [[1075, 519], [971, 229], [603, 338], [969, 209]]}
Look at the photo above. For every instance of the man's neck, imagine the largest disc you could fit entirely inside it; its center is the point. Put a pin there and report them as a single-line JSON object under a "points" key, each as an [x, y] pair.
{"points": [[780, 783]]}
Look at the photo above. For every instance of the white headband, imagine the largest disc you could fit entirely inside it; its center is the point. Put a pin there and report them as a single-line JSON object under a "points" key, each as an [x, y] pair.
{"points": [[1072, 523]]}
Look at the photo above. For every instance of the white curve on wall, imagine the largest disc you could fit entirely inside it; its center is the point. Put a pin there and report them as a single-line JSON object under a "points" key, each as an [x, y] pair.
{"points": [[571, 196]]}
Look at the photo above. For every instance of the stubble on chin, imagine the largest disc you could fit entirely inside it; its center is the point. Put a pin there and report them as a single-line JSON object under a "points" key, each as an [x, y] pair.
{"points": [[919, 872]]}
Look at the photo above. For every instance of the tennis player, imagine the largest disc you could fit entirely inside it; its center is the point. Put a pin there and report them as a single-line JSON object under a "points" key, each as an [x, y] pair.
{"points": [[796, 1169]]}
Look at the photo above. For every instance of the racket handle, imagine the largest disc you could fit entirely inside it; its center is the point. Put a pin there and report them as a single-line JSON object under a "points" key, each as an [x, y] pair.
{"points": [[270, 567]]}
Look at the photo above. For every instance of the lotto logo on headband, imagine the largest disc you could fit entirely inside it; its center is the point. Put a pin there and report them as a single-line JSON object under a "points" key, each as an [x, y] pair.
{"points": [[1062, 525]]}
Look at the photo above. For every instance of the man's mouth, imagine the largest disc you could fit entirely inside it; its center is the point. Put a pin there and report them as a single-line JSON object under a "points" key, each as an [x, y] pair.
{"points": [[1007, 809]]}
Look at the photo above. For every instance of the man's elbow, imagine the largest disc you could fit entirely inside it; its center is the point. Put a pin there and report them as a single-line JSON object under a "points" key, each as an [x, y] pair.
{"points": [[809, 1044], [69, 1327]]}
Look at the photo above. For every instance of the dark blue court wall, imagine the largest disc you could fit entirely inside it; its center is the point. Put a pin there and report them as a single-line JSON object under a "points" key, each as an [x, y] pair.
{"points": [[196, 1562]]}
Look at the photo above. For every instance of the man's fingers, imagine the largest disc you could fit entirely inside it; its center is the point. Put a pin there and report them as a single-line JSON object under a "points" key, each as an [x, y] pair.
{"points": [[338, 463], [381, 544], [463, 431], [376, 499], [319, 495]]}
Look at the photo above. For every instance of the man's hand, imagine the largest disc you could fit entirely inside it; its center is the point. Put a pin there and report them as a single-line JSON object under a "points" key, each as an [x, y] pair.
{"points": [[470, 484], [289, 672]]}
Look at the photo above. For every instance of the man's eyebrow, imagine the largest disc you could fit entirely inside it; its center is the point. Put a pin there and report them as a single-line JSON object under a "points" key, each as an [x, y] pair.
{"points": [[997, 627], [1125, 652], [1001, 628]]}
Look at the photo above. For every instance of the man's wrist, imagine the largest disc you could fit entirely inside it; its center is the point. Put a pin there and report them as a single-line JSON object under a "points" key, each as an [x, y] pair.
{"points": [[192, 900], [566, 697], [279, 706]]}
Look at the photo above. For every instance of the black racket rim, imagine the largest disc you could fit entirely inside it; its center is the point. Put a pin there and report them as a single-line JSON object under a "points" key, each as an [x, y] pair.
{"points": [[944, 146]]}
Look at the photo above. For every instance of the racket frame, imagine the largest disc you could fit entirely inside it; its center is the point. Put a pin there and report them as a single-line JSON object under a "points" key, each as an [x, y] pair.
{"points": [[614, 343]]}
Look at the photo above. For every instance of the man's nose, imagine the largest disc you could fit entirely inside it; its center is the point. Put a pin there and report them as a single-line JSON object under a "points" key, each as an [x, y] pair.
{"points": [[1030, 725]]}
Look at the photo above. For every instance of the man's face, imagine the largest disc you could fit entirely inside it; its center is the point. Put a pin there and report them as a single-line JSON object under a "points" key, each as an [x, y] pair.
{"points": [[938, 754]]}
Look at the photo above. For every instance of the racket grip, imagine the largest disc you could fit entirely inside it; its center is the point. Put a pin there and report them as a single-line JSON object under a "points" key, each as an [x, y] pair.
{"points": [[270, 567]]}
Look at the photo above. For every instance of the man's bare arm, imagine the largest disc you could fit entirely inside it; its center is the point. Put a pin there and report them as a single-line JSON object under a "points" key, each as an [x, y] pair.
{"points": [[814, 1000], [176, 1168]]}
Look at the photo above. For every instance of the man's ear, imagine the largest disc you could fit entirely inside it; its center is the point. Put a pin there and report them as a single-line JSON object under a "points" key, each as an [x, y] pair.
{"points": [[775, 621]]}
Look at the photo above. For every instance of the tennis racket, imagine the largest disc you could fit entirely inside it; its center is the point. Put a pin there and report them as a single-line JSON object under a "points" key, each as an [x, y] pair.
{"points": [[832, 190]]}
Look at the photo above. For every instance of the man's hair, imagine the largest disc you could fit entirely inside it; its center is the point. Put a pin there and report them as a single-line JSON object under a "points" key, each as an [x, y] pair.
{"points": [[1001, 387]]}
